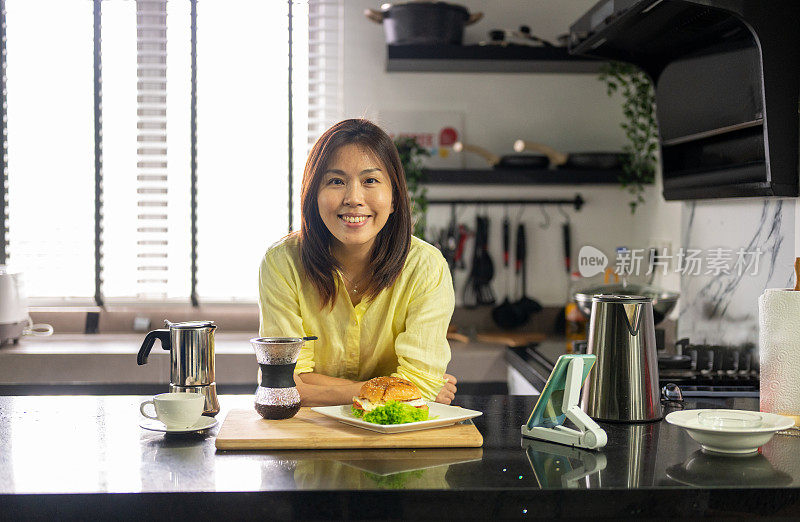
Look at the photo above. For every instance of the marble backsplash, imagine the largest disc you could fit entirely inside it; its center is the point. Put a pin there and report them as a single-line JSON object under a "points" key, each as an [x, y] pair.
{"points": [[719, 298]]}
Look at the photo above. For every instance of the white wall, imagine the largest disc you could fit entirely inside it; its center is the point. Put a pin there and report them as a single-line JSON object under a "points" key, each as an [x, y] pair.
{"points": [[568, 111]]}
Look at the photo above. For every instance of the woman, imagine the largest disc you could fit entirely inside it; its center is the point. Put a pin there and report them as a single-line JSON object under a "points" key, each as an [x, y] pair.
{"points": [[379, 299]]}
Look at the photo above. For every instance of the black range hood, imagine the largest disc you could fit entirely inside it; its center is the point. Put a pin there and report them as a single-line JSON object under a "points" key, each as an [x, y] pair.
{"points": [[727, 78]]}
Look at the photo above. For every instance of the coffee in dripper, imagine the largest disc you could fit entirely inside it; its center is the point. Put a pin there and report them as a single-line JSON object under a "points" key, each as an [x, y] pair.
{"points": [[276, 396]]}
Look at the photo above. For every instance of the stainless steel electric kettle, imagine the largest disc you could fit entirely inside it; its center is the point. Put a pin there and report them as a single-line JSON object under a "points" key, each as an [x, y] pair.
{"points": [[191, 347], [623, 385]]}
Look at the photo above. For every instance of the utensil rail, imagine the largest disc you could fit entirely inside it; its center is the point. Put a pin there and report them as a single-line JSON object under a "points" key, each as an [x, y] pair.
{"points": [[576, 202]]}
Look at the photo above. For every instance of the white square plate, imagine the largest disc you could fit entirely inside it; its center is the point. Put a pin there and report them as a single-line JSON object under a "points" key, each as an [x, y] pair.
{"points": [[440, 415]]}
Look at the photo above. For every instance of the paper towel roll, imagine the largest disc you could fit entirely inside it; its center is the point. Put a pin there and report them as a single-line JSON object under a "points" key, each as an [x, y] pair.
{"points": [[779, 351]]}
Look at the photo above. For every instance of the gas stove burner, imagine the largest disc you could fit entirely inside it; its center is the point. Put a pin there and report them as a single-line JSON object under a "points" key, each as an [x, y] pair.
{"points": [[711, 370]]}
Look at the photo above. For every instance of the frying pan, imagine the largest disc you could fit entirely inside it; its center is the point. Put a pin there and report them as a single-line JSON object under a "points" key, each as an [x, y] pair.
{"points": [[522, 161], [575, 160]]}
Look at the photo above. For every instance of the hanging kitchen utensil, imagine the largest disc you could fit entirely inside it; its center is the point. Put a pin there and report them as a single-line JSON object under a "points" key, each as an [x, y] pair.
{"points": [[468, 295], [478, 290], [566, 234], [463, 234], [518, 311], [506, 315], [526, 304], [486, 267], [519, 162], [423, 23], [449, 243], [471, 287], [546, 224], [574, 160]]}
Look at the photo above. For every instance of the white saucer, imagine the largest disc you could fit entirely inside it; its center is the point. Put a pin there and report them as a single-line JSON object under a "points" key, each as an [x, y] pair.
{"points": [[203, 424], [730, 440]]}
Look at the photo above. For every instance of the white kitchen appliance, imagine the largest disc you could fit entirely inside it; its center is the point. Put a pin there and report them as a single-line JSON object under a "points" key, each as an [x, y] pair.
{"points": [[14, 319]]}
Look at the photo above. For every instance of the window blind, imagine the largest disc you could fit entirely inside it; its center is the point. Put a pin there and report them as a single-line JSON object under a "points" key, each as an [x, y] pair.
{"points": [[152, 189], [3, 140], [325, 54], [317, 79], [146, 106]]}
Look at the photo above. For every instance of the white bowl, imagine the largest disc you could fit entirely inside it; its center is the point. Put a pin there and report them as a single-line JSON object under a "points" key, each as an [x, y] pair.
{"points": [[729, 437]]}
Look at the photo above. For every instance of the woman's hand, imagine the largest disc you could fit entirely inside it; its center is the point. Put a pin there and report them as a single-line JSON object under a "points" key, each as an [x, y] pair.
{"points": [[448, 391], [322, 390]]}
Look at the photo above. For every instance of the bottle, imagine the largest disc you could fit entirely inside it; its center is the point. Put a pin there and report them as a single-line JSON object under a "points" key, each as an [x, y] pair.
{"points": [[575, 321]]}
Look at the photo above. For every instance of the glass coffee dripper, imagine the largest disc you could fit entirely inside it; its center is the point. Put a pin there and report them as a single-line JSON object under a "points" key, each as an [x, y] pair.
{"points": [[276, 396]]}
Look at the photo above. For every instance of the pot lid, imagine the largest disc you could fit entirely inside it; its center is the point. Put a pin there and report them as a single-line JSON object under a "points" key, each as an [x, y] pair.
{"points": [[436, 5]]}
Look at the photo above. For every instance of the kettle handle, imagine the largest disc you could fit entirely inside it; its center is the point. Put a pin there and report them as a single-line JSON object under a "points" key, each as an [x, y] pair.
{"points": [[147, 344]]}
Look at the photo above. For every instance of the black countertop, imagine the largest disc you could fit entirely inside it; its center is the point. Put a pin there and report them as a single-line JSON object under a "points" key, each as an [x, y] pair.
{"points": [[84, 456]]}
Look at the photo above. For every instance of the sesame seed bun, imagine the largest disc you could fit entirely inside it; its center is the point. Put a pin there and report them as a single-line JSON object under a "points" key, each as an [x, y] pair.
{"points": [[380, 390]]}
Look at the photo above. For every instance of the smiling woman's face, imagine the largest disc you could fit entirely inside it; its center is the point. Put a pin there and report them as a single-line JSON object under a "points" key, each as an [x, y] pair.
{"points": [[355, 197]]}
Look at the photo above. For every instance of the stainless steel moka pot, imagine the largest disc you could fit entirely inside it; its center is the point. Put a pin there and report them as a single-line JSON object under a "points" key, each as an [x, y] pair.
{"points": [[191, 347], [623, 386]]}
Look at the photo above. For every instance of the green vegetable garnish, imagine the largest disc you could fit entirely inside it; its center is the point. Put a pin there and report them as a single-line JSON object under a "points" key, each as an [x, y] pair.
{"points": [[393, 412]]}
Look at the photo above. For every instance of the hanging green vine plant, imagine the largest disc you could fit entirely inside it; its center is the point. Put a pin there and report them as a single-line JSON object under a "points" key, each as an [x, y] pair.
{"points": [[641, 129], [411, 154]]}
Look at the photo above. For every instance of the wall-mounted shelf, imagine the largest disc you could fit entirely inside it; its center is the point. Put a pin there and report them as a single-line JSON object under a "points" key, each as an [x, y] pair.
{"points": [[521, 177], [486, 59]]}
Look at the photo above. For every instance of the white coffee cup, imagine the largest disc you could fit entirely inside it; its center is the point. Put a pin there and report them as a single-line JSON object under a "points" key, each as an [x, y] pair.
{"points": [[176, 410]]}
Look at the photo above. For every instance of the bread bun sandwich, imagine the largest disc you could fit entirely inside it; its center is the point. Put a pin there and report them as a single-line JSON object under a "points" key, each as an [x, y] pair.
{"points": [[390, 400]]}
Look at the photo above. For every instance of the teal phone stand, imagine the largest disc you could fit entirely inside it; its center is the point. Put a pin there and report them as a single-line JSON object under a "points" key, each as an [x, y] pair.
{"points": [[546, 420]]}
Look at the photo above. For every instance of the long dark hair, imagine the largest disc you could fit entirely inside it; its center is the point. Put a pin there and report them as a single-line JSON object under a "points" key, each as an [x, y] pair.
{"points": [[392, 243]]}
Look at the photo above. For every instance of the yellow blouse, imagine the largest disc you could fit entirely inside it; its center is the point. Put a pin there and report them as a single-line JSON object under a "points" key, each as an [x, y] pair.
{"points": [[402, 332]]}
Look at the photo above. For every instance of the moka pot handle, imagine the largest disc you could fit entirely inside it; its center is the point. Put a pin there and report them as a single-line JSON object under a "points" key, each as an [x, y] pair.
{"points": [[147, 344]]}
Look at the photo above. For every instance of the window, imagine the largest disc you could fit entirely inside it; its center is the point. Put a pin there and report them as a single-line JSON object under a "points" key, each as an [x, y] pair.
{"points": [[242, 142], [241, 128], [49, 83]]}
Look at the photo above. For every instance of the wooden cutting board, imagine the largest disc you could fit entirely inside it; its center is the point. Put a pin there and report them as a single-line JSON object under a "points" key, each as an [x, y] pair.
{"points": [[512, 339], [246, 430]]}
